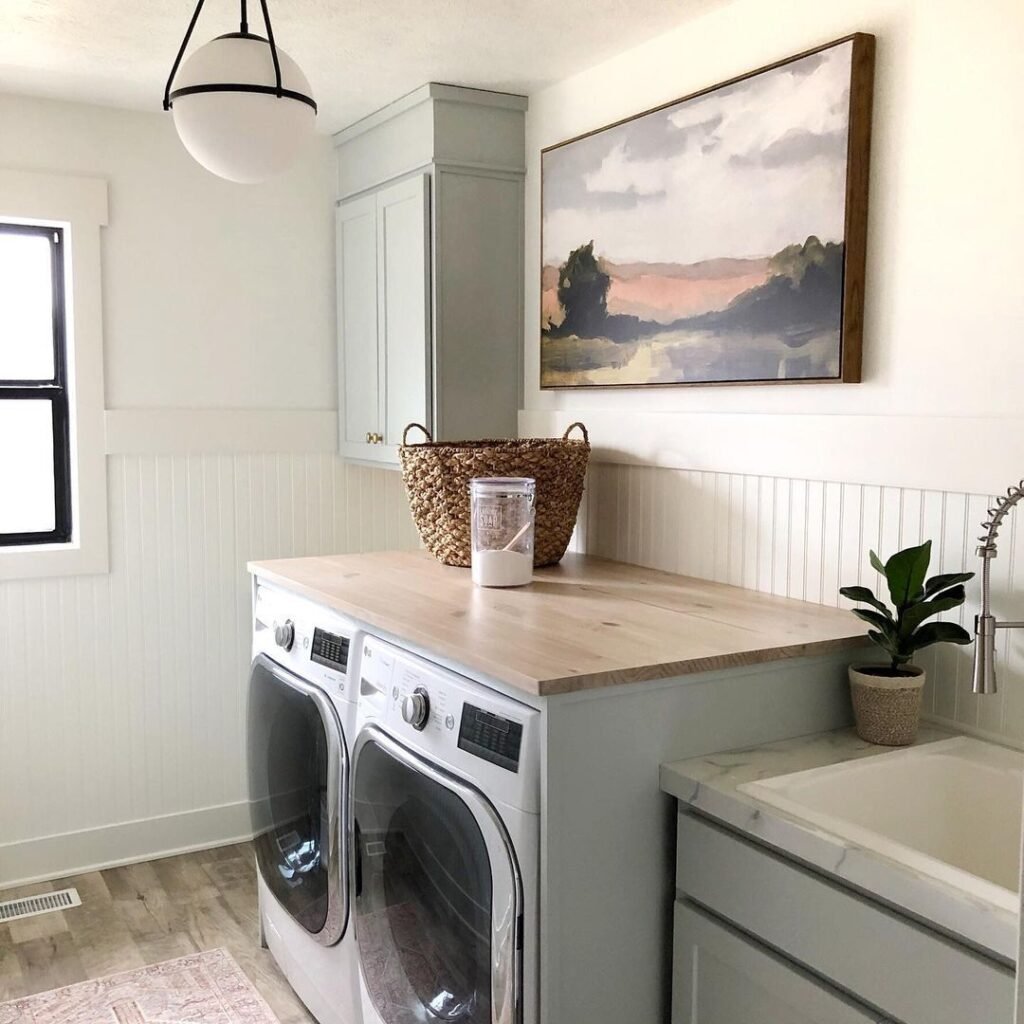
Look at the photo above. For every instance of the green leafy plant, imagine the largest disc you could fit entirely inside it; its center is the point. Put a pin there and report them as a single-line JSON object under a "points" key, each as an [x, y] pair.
{"points": [[902, 630]]}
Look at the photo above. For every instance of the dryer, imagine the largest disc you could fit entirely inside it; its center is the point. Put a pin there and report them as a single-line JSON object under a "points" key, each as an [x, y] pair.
{"points": [[301, 713], [446, 845]]}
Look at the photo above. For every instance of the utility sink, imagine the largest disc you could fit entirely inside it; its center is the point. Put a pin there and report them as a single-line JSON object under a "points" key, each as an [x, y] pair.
{"points": [[950, 810]]}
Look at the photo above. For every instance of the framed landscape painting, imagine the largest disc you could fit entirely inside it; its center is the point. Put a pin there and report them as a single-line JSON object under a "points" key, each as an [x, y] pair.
{"points": [[718, 239]]}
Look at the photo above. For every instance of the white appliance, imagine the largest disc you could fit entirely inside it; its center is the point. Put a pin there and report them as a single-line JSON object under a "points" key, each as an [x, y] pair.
{"points": [[446, 830], [301, 713]]}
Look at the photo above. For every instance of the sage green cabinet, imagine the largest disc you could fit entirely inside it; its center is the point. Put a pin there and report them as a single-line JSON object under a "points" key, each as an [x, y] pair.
{"points": [[429, 270], [817, 928], [383, 247], [721, 976]]}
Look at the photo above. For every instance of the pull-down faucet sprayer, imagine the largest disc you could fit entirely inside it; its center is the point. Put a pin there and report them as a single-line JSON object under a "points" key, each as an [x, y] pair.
{"points": [[985, 624]]}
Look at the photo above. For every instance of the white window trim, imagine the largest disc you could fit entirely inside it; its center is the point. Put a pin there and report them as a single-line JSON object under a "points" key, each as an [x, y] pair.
{"points": [[80, 205]]}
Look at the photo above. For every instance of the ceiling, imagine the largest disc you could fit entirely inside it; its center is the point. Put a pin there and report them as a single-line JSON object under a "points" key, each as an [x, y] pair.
{"points": [[357, 54]]}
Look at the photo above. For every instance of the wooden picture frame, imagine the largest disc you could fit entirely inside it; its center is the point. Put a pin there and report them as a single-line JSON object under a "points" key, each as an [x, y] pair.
{"points": [[798, 305]]}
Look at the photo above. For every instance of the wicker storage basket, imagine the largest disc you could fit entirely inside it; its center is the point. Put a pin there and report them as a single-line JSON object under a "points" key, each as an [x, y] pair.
{"points": [[886, 709], [437, 475]]}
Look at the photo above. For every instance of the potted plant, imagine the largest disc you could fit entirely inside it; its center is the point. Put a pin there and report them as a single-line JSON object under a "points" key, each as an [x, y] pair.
{"points": [[887, 698]]}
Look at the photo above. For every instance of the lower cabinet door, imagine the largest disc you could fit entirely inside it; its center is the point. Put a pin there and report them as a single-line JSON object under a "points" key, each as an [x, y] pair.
{"points": [[719, 976]]}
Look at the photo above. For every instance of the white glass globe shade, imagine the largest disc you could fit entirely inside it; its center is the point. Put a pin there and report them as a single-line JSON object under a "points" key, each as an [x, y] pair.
{"points": [[242, 136]]}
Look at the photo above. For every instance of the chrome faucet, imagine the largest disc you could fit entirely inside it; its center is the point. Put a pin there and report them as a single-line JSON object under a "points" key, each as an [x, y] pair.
{"points": [[985, 623]]}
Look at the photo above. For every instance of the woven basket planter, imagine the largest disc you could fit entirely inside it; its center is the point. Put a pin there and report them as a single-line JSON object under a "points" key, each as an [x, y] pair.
{"points": [[437, 475], [886, 709]]}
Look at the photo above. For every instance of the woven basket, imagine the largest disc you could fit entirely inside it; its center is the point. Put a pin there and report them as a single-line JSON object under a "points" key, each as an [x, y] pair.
{"points": [[886, 714], [437, 475]]}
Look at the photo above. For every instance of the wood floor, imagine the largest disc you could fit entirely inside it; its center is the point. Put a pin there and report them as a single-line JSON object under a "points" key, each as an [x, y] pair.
{"points": [[142, 914]]}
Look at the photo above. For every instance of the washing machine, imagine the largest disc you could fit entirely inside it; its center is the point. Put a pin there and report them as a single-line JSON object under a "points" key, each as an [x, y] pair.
{"points": [[301, 714], [446, 845]]}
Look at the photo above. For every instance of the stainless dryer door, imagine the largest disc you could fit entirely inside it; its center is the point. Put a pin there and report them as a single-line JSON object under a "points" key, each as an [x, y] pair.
{"points": [[298, 784], [438, 894]]}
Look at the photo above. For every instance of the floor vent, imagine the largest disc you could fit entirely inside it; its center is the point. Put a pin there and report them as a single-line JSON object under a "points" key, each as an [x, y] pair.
{"points": [[44, 903]]}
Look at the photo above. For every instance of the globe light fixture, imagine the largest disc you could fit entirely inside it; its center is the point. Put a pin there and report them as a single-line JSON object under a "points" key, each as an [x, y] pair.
{"points": [[241, 107]]}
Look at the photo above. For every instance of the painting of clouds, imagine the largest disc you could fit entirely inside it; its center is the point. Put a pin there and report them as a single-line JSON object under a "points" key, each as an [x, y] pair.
{"points": [[706, 242]]}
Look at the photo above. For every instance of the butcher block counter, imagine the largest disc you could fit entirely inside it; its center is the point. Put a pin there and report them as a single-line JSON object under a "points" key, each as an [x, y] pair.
{"points": [[585, 623]]}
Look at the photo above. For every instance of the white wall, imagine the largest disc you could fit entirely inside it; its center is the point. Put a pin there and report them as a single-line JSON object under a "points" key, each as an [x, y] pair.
{"points": [[122, 695], [215, 294], [804, 538], [784, 489], [944, 317]]}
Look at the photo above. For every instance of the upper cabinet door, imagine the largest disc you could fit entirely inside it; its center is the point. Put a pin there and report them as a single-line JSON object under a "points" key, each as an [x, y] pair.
{"points": [[358, 363], [403, 308]]}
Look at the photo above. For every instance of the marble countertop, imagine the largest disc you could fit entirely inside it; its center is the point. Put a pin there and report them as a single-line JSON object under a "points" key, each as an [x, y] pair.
{"points": [[710, 785]]}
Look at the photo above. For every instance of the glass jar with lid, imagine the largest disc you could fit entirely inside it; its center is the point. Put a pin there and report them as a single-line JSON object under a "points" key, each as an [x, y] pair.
{"points": [[502, 512]]}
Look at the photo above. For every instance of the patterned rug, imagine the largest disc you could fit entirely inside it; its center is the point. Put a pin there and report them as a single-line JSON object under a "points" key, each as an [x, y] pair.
{"points": [[204, 988]]}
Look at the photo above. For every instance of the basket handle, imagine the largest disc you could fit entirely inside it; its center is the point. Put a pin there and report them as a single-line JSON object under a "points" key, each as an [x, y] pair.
{"points": [[568, 431], [419, 426]]}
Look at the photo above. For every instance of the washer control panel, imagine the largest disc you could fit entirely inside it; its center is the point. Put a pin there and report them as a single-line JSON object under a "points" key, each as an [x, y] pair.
{"points": [[329, 649], [416, 708], [284, 634], [308, 640]]}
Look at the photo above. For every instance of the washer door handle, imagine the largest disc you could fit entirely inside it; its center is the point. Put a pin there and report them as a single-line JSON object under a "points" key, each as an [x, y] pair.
{"points": [[357, 853]]}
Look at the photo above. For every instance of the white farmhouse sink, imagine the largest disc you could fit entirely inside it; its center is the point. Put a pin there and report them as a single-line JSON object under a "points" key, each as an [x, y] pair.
{"points": [[950, 810]]}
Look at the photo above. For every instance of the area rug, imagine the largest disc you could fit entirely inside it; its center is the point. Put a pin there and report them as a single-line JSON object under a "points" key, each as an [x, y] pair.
{"points": [[203, 988]]}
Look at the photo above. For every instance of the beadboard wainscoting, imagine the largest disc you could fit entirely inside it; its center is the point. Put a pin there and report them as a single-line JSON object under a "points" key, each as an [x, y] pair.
{"points": [[806, 538], [122, 709]]}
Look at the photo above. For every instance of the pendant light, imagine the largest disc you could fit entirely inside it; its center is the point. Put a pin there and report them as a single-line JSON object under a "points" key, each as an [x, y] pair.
{"points": [[241, 106]]}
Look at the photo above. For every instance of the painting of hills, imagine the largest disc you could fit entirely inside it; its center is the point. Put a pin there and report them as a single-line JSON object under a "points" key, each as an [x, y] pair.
{"points": [[705, 242]]}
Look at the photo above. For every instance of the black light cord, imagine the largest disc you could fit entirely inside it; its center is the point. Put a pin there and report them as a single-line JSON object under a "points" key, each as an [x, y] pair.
{"points": [[273, 48], [181, 53], [277, 89]]}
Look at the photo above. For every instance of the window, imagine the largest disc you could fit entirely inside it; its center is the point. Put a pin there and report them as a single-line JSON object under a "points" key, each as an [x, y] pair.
{"points": [[35, 458], [53, 470]]}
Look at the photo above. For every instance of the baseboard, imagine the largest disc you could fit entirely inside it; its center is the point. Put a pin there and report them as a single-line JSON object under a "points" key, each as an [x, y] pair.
{"points": [[72, 853]]}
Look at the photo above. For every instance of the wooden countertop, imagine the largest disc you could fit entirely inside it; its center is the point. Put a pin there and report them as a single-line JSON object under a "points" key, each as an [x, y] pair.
{"points": [[582, 624]]}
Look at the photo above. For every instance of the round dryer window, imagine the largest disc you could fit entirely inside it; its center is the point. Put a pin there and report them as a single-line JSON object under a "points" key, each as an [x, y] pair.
{"points": [[433, 901]]}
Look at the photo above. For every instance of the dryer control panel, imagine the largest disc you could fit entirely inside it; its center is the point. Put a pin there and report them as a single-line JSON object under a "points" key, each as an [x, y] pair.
{"points": [[490, 736], [455, 722]]}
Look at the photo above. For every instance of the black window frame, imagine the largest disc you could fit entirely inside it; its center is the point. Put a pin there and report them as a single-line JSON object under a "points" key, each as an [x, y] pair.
{"points": [[55, 390]]}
